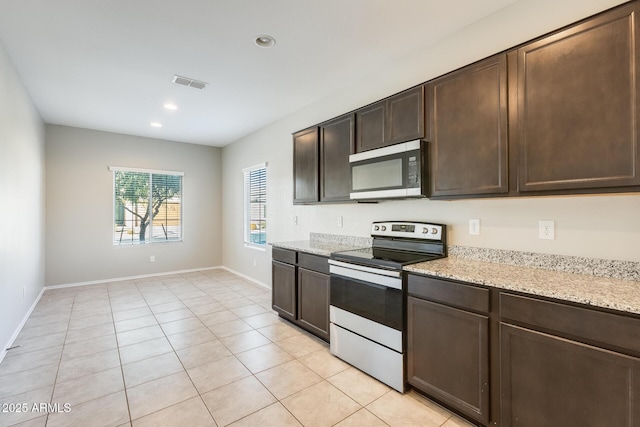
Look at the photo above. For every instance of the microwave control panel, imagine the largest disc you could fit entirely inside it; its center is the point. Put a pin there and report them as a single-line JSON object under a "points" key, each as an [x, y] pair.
{"points": [[413, 171]]}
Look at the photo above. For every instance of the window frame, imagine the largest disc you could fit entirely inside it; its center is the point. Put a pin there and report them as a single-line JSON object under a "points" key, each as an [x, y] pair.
{"points": [[246, 208], [151, 172]]}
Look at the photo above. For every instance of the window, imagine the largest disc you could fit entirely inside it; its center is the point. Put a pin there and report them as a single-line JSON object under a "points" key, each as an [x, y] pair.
{"points": [[255, 206], [147, 206]]}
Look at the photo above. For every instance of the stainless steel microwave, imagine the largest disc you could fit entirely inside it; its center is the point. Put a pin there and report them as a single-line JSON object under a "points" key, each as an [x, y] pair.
{"points": [[393, 172]]}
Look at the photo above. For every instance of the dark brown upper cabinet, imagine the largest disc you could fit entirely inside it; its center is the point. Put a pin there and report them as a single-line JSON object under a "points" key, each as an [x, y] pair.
{"points": [[396, 119], [467, 124], [577, 116], [336, 143], [305, 166], [370, 127]]}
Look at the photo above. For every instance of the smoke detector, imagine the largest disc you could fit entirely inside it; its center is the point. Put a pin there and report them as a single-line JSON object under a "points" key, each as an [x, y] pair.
{"points": [[186, 81]]}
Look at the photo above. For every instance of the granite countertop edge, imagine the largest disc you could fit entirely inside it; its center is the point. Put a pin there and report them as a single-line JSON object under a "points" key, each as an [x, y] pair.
{"points": [[618, 294], [602, 292], [314, 248]]}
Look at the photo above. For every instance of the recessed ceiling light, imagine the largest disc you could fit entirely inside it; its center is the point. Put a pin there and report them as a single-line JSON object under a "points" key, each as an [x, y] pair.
{"points": [[170, 106], [265, 41], [156, 124]]}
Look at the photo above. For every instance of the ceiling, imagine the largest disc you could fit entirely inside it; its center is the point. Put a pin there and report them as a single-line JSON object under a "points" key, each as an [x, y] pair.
{"points": [[108, 64]]}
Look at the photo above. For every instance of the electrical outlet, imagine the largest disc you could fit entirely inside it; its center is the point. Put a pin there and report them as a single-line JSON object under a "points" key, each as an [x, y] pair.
{"points": [[152, 258], [547, 230], [474, 227], [339, 222]]}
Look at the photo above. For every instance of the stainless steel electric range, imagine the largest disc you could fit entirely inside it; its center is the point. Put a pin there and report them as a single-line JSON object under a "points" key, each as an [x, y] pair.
{"points": [[367, 307]]}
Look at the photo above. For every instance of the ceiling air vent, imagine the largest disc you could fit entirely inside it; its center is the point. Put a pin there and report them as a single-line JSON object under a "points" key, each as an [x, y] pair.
{"points": [[186, 81]]}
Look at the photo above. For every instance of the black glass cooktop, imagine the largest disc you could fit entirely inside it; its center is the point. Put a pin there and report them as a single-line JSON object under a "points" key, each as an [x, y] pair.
{"points": [[382, 257]]}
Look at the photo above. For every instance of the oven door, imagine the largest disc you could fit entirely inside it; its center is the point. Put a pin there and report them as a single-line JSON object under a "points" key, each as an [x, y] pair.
{"points": [[367, 292]]}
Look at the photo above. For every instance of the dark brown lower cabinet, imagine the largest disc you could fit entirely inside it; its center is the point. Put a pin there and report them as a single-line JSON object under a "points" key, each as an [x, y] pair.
{"points": [[553, 381], [283, 289], [515, 360], [300, 289], [313, 302], [448, 356]]}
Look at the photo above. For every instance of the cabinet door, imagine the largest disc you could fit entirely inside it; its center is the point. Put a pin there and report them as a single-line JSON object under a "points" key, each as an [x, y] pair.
{"points": [[399, 118], [336, 143], [283, 289], [467, 116], [405, 116], [550, 381], [448, 356], [313, 302], [305, 166], [371, 127], [578, 106]]}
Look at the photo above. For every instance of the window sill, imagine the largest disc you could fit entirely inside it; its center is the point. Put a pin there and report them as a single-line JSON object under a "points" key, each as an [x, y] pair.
{"points": [[138, 244], [261, 248]]}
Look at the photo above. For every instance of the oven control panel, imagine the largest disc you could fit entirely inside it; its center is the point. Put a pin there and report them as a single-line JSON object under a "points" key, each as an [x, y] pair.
{"points": [[412, 230]]}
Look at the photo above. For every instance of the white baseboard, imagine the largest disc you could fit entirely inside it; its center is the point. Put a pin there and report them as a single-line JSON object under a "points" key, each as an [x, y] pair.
{"points": [[3, 351], [121, 279], [244, 276]]}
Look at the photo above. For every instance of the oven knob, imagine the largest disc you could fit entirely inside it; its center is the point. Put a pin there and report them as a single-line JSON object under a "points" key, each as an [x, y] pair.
{"points": [[425, 230], [434, 231], [376, 228], [384, 228]]}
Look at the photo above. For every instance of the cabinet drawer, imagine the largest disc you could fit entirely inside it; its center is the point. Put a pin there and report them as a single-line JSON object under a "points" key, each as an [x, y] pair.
{"points": [[313, 262], [284, 255], [614, 331], [450, 293]]}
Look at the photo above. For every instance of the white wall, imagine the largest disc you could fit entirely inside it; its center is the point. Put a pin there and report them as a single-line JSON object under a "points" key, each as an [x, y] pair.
{"points": [[80, 205], [591, 226], [22, 192]]}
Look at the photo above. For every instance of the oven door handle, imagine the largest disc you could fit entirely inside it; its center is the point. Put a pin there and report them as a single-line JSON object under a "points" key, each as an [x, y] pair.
{"points": [[367, 275], [390, 273]]}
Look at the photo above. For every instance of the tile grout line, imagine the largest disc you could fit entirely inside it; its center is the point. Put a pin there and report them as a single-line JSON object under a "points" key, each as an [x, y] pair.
{"points": [[64, 343], [234, 355], [178, 357], [182, 364], [124, 383]]}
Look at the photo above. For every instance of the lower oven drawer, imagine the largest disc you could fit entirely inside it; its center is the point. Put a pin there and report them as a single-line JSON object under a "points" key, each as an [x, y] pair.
{"points": [[374, 331], [376, 360]]}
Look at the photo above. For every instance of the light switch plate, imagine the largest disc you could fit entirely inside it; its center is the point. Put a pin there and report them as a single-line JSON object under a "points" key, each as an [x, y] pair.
{"points": [[340, 222], [474, 227]]}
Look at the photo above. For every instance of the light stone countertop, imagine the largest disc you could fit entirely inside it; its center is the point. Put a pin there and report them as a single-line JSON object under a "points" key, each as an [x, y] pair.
{"points": [[325, 244], [314, 247], [600, 283], [615, 294]]}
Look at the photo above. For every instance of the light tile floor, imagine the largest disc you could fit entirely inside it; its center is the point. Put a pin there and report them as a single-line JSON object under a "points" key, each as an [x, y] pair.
{"points": [[196, 349]]}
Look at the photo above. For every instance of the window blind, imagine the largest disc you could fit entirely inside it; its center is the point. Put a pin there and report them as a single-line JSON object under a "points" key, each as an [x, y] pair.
{"points": [[255, 205]]}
